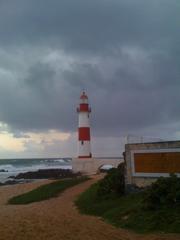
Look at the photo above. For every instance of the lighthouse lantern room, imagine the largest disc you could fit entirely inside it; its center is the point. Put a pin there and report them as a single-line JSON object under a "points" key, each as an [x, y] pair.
{"points": [[84, 144]]}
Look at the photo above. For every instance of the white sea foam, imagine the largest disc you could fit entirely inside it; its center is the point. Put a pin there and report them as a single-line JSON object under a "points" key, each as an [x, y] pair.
{"points": [[59, 160], [106, 167], [27, 165], [6, 167]]}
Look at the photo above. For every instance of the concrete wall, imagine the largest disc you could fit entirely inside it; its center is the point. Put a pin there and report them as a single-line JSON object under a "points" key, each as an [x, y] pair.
{"points": [[91, 165], [146, 178]]}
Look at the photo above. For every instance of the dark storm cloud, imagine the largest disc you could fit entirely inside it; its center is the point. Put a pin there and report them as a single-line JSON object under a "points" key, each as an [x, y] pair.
{"points": [[89, 25], [124, 53], [37, 102]]}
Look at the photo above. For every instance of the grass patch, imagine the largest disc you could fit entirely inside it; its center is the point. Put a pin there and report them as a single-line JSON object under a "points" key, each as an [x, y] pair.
{"points": [[46, 191], [128, 212]]}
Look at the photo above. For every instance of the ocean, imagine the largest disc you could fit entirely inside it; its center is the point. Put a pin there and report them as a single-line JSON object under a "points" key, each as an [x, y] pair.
{"points": [[12, 167]]}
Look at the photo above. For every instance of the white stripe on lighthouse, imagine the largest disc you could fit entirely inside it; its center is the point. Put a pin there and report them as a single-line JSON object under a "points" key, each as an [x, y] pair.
{"points": [[83, 119], [84, 147]]}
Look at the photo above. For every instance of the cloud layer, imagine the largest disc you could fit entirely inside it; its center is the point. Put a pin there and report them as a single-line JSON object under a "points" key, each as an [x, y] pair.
{"points": [[124, 53]]}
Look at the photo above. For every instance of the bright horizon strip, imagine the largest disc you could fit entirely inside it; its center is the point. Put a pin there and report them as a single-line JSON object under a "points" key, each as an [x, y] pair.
{"points": [[11, 143]]}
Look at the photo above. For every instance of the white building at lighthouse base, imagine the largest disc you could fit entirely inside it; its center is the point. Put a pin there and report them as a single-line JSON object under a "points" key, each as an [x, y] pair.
{"points": [[90, 166]]}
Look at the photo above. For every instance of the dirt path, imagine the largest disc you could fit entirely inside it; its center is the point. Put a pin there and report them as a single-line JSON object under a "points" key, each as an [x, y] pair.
{"points": [[57, 218]]}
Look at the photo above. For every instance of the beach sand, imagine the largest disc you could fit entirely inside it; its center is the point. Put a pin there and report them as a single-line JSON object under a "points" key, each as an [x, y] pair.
{"points": [[57, 218]]}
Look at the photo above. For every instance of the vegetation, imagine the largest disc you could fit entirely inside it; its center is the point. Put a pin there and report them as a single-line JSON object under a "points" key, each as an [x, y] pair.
{"points": [[112, 183], [164, 192], [156, 209], [46, 191]]}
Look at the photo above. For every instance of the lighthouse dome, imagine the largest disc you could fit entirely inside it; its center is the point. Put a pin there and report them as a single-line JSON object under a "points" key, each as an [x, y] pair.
{"points": [[83, 96]]}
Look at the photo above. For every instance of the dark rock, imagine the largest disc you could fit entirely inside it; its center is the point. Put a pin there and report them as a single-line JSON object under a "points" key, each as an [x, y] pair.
{"points": [[47, 173], [3, 170], [10, 182]]}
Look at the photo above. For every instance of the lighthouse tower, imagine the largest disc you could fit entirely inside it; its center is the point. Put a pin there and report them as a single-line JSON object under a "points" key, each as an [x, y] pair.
{"points": [[85, 163], [84, 143]]}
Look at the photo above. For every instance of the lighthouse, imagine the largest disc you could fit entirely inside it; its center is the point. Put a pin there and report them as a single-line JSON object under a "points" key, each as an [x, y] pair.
{"points": [[84, 163], [84, 137]]}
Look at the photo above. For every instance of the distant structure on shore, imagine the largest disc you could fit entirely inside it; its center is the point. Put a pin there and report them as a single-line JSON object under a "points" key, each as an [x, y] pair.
{"points": [[84, 137], [85, 163]]}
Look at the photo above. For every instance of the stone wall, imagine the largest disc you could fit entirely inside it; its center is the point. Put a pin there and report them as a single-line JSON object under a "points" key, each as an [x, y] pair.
{"points": [[161, 150]]}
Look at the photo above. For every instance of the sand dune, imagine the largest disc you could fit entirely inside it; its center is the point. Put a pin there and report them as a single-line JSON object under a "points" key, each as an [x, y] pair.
{"points": [[57, 218]]}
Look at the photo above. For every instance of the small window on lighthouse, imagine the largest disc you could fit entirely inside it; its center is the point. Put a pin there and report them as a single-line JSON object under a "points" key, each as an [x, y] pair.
{"points": [[82, 142]]}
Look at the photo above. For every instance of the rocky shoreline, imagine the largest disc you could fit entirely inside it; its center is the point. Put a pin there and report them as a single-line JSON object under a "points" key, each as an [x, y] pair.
{"points": [[40, 174]]}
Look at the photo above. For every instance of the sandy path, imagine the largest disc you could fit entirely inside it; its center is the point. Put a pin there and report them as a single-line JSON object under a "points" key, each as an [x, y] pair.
{"points": [[57, 218]]}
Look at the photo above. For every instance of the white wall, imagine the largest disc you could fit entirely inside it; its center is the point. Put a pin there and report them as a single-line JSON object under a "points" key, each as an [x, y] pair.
{"points": [[85, 148]]}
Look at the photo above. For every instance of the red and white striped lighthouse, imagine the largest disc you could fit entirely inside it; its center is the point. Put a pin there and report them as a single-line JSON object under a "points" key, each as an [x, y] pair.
{"points": [[84, 144]]}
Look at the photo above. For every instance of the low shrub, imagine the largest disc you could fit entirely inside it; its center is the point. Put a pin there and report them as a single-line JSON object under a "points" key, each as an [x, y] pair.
{"points": [[113, 182], [164, 192], [46, 191], [155, 209]]}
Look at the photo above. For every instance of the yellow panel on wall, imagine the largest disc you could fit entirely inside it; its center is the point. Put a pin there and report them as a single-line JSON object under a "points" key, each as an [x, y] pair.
{"points": [[165, 162]]}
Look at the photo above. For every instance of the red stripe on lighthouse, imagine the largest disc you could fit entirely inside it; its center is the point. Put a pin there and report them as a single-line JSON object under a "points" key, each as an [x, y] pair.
{"points": [[84, 107], [84, 134]]}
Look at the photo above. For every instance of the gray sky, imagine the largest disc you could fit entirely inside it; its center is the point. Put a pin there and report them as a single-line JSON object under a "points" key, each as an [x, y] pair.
{"points": [[125, 53]]}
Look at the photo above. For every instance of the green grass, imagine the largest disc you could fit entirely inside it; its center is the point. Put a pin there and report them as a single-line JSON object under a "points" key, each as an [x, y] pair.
{"points": [[127, 212], [46, 191]]}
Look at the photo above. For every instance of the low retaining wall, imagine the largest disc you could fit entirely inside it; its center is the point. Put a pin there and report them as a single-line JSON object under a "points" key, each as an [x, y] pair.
{"points": [[145, 162], [91, 165]]}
